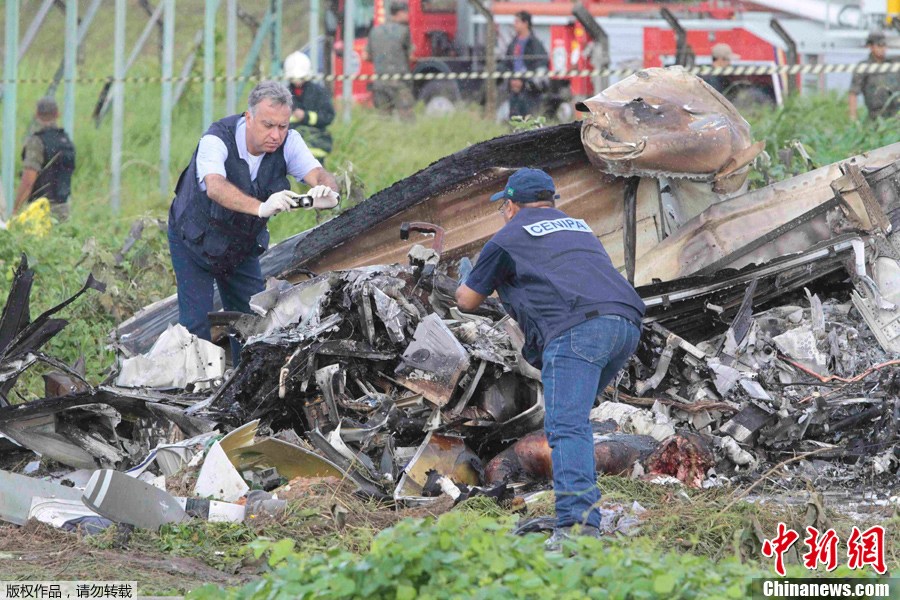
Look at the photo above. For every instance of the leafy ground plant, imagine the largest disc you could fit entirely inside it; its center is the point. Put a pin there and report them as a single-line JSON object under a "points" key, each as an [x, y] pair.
{"points": [[456, 556]]}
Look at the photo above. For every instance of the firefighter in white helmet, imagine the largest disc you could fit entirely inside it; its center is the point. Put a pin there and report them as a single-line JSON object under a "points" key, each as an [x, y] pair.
{"points": [[313, 109]]}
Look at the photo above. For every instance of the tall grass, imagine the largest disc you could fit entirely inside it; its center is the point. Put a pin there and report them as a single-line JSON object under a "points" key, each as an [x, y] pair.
{"points": [[823, 125]]}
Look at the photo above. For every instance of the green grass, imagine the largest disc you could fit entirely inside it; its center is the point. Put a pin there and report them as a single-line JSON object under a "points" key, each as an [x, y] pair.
{"points": [[467, 553]]}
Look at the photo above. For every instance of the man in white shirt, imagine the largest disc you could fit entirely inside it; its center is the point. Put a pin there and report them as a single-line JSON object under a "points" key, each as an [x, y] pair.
{"points": [[236, 181]]}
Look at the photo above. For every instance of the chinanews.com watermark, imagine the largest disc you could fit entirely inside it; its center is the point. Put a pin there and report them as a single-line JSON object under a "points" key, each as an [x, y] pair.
{"points": [[821, 552], [824, 588]]}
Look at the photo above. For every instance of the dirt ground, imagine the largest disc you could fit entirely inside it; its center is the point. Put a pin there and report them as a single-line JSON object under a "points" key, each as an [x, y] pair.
{"points": [[321, 514], [39, 552]]}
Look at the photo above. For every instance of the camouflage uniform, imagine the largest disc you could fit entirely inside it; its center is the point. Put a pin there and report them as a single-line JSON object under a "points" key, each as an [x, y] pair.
{"points": [[33, 158], [390, 48], [881, 91], [33, 151]]}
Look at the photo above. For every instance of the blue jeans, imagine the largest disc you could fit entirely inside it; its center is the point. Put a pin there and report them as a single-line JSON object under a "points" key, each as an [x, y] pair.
{"points": [[578, 365], [194, 280]]}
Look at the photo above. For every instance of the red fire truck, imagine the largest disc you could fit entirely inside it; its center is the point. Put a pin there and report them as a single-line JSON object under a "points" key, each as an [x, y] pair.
{"points": [[449, 36]]}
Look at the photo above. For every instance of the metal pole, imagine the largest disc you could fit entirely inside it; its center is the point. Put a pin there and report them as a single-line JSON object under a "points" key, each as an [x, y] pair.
{"points": [[70, 66], [231, 58], [275, 40], [115, 185], [314, 34], [10, 74], [165, 114], [209, 60], [135, 51], [86, 20], [255, 49], [490, 58], [188, 66], [34, 27], [600, 54], [791, 47], [348, 54], [31, 32], [684, 54]]}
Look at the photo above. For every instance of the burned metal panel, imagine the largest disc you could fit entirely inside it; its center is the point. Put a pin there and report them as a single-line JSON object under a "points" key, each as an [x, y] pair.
{"points": [[16, 310], [684, 305], [885, 184], [82, 430], [447, 455], [667, 122], [433, 362], [726, 227], [468, 218], [20, 340], [468, 174]]}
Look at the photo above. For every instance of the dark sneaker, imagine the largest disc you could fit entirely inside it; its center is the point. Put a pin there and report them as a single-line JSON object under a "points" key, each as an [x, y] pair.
{"points": [[561, 534]]}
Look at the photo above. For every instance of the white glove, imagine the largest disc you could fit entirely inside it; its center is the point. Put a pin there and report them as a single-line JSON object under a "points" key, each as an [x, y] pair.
{"points": [[278, 202], [323, 197]]}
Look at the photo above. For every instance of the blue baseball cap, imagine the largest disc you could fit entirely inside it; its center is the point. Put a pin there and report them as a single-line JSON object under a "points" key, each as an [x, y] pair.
{"points": [[526, 185]]}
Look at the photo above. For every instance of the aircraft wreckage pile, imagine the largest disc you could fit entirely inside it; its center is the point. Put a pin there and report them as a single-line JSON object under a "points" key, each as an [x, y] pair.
{"points": [[772, 331]]}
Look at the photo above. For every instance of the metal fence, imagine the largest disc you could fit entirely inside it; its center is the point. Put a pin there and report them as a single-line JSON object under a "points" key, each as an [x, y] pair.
{"points": [[172, 85], [162, 17]]}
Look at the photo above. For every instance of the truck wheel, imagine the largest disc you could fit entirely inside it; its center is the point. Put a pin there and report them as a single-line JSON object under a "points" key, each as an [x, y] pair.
{"points": [[440, 97]]}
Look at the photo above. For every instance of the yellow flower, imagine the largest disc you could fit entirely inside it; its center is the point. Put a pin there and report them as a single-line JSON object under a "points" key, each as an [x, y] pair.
{"points": [[34, 219]]}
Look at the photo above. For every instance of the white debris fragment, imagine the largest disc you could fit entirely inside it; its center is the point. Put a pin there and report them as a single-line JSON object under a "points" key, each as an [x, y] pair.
{"points": [[800, 344], [884, 462], [754, 390], [448, 487], [218, 479], [176, 360], [726, 377], [734, 452], [635, 420]]}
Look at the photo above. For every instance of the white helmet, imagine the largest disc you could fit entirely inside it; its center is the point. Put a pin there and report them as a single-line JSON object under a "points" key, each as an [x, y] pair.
{"points": [[297, 66]]}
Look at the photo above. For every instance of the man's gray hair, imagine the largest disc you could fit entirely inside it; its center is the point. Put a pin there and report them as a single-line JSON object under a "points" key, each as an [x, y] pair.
{"points": [[273, 91], [47, 107]]}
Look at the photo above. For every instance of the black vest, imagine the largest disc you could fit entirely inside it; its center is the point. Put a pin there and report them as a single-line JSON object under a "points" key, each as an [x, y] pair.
{"points": [[563, 278], [223, 237], [55, 179]]}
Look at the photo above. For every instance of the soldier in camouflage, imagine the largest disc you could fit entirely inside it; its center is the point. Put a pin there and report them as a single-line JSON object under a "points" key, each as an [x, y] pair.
{"points": [[390, 48], [48, 160], [881, 91]]}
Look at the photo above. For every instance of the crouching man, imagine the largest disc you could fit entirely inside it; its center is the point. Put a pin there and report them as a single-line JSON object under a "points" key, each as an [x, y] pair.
{"points": [[581, 320], [237, 180]]}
